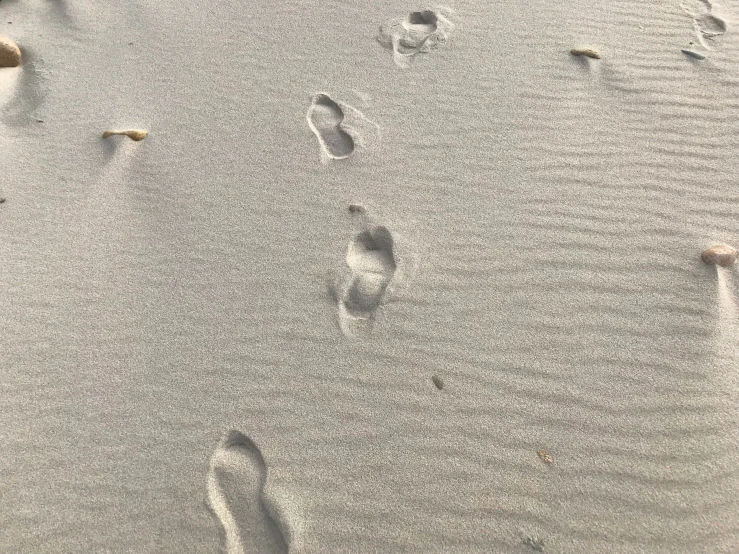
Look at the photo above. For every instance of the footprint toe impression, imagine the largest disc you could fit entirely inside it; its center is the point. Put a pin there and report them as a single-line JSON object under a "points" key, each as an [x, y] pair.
{"points": [[325, 119], [422, 22], [710, 24]]}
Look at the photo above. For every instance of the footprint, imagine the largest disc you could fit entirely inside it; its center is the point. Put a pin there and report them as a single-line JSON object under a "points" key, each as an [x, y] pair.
{"points": [[370, 258], [325, 119], [236, 494], [708, 26], [417, 33]]}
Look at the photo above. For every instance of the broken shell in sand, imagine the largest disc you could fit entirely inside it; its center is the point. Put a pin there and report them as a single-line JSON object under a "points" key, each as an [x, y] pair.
{"points": [[10, 54], [589, 52], [545, 456], [133, 134], [721, 254]]}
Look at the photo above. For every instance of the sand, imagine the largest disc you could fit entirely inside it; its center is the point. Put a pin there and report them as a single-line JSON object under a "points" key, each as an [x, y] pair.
{"points": [[203, 349]]}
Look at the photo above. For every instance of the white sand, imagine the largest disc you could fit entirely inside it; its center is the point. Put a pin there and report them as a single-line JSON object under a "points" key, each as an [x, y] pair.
{"points": [[547, 214]]}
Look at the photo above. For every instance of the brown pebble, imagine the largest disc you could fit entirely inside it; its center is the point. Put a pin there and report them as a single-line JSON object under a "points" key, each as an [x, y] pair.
{"points": [[2, 200], [438, 382], [545, 456], [356, 209], [589, 52], [10, 54], [721, 254], [133, 134]]}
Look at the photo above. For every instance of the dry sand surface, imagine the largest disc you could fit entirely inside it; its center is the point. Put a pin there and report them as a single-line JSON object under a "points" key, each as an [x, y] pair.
{"points": [[383, 277]]}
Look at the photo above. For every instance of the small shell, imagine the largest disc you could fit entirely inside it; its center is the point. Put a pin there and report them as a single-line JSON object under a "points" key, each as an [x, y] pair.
{"points": [[133, 134], [721, 254], [545, 456], [586, 51], [694, 55], [438, 382], [10, 54]]}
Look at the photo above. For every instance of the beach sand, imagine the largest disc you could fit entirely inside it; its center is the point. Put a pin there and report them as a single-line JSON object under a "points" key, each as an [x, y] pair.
{"points": [[203, 349]]}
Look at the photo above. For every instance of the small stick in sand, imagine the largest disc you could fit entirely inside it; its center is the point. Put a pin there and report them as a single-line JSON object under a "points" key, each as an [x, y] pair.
{"points": [[133, 134], [585, 51], [545, 456], [721, 254], [10, 54], [438, 382]]}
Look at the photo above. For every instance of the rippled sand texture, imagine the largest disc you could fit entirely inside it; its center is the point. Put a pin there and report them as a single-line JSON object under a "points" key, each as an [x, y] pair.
{"points": [[554, 207]]}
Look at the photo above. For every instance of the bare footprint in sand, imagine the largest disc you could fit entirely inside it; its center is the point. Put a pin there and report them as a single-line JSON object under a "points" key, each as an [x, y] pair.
{"points": [[709, 27], [417, 33], [236, 494], [371, 263], [325, 119]]}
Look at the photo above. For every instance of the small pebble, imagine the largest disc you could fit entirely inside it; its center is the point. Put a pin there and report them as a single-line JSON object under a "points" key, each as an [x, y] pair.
{"points": [[2, 200], [721, 254], [133, 134], [438, 382], [10, 54], [356, 209], [589, 52]]}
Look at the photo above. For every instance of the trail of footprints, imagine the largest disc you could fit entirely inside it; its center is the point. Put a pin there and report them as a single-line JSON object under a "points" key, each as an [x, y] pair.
{"points": [[237, 479], [361, 289]]}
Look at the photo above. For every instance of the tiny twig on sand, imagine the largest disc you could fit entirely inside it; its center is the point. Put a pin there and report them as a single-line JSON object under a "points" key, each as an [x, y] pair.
{"points": [[537, 543], [133, 134]]}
